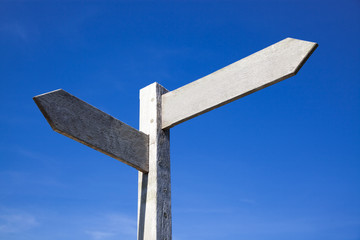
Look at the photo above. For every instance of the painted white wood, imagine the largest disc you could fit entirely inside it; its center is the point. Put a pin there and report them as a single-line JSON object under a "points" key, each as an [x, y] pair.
{"points": [[161, 110], [154, 201], [88, 125], [257, 71]]}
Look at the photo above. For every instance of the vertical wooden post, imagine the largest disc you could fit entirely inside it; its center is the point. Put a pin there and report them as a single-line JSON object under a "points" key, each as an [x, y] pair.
{"points": [[154, 201]]}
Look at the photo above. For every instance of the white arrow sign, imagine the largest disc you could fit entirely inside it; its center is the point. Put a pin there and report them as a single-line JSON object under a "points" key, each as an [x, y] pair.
{"points": [[84, 123], [255, 72]]}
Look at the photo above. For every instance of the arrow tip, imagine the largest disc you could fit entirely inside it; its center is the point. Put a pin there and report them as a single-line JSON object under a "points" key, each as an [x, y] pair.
{"points": [[306, 57], [300, 51], [43, 101]]}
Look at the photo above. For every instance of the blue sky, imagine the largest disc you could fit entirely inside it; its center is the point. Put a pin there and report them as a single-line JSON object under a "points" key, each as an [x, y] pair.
{"points": [[282, 163]]}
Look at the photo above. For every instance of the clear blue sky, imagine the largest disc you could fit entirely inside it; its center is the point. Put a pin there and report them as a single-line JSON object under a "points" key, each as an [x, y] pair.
{"points": [[280, 164]]}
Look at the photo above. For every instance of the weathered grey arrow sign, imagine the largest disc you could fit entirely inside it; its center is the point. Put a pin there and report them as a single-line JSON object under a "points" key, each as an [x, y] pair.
{"points": [[149, 150], [84, 123], [255, 72]]}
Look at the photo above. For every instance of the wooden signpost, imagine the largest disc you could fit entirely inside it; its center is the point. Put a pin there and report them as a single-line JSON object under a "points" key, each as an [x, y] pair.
{"points": [[148, 150]]}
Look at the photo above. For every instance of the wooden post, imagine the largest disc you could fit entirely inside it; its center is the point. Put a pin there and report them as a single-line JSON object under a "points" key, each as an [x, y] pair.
{"points": [[154, 201], [159, 111]]}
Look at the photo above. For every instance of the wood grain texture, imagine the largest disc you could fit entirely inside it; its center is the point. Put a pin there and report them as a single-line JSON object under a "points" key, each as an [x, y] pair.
{"points": [[257, 71], [84, 123], [154, 204]]}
